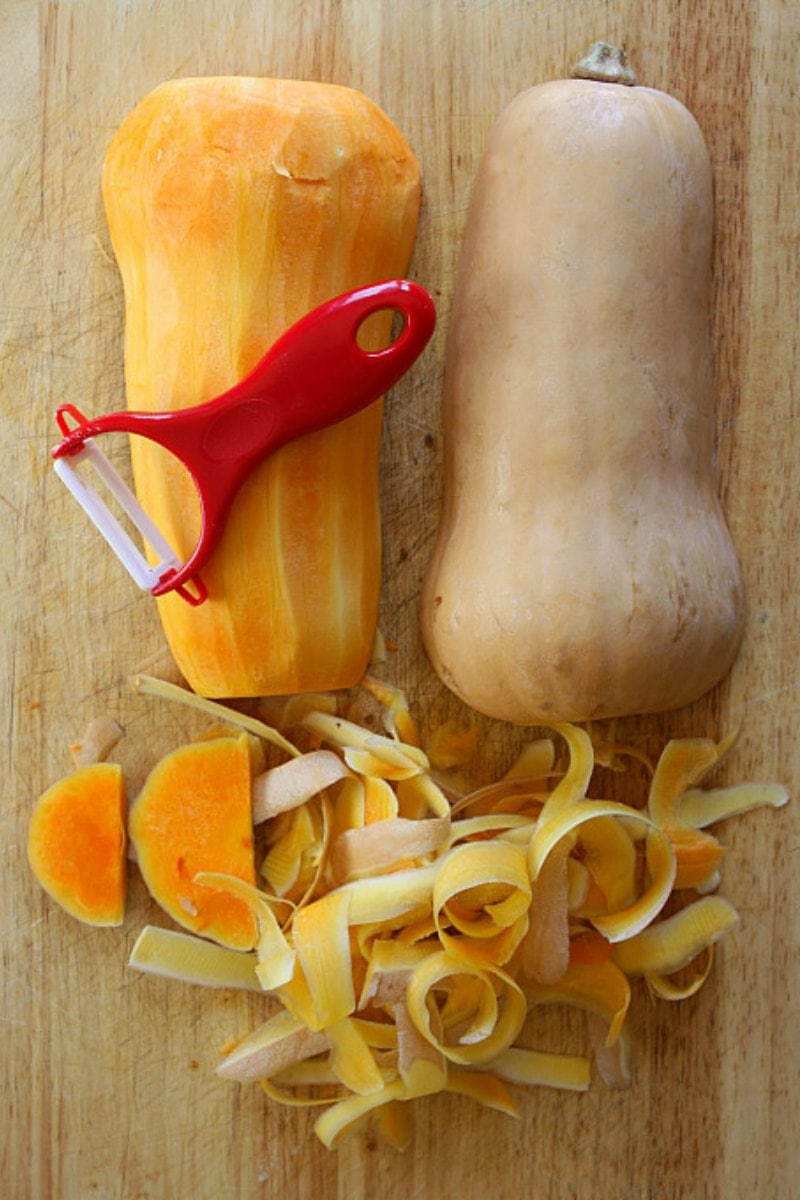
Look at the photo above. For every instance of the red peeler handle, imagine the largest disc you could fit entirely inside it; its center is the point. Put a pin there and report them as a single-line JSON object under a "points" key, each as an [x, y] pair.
{"points": [[314, 375]]}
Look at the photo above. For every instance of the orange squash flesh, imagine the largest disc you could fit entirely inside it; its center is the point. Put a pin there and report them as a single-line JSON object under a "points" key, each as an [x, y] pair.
{"points": [[236, 205], [76, 844], [194, 814]]}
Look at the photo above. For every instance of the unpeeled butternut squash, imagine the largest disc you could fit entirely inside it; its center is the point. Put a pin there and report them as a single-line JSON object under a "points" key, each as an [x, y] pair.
{"points": [[236, 205], [583, 566]]}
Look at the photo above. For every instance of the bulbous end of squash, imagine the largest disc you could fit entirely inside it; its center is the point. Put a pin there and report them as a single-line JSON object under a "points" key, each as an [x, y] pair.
{"points": [[194, 815], [76, 844]]}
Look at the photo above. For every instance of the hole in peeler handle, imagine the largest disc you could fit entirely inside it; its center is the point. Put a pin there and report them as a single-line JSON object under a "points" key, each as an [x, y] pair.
{"points": [[380, 329]]}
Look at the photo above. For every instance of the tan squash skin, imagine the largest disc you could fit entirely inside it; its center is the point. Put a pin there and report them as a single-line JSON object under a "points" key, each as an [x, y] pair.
{"points": [[236, 205], [583, 567]]}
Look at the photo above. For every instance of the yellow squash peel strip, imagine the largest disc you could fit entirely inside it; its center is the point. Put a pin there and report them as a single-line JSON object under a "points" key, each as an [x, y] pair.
{"points": [[190, 959], [423, 928], [676, 941]]}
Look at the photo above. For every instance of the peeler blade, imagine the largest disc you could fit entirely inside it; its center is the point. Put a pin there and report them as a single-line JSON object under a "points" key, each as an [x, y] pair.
{"points": [[146, 575]]}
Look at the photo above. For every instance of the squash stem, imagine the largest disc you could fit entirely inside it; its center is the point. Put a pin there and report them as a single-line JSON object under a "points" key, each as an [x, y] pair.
{"points": [[607, 63]]}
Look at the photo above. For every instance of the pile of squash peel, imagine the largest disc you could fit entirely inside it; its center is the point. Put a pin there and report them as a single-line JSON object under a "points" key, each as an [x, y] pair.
{"points": [[404, 927]]}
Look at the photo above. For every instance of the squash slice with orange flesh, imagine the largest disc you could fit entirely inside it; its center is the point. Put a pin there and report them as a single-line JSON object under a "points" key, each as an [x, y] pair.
{"points": [[194, 815], [76, 843]]}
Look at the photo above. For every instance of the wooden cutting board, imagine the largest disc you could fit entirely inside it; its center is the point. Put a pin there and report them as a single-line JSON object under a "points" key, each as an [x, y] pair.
{"points": [[107, 1076]]}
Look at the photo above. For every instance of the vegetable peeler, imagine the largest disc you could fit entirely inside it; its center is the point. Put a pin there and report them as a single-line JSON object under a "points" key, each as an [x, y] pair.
{"points": [[313, 376]]}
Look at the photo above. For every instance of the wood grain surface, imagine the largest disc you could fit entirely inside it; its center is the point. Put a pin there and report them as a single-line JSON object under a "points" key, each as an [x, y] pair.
{"points": [[107, 1076]]}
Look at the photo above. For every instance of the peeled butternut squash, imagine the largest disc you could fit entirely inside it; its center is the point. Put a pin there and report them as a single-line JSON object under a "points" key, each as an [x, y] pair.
{"points": [[583, 566], [236, 205], [77, 840]]}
